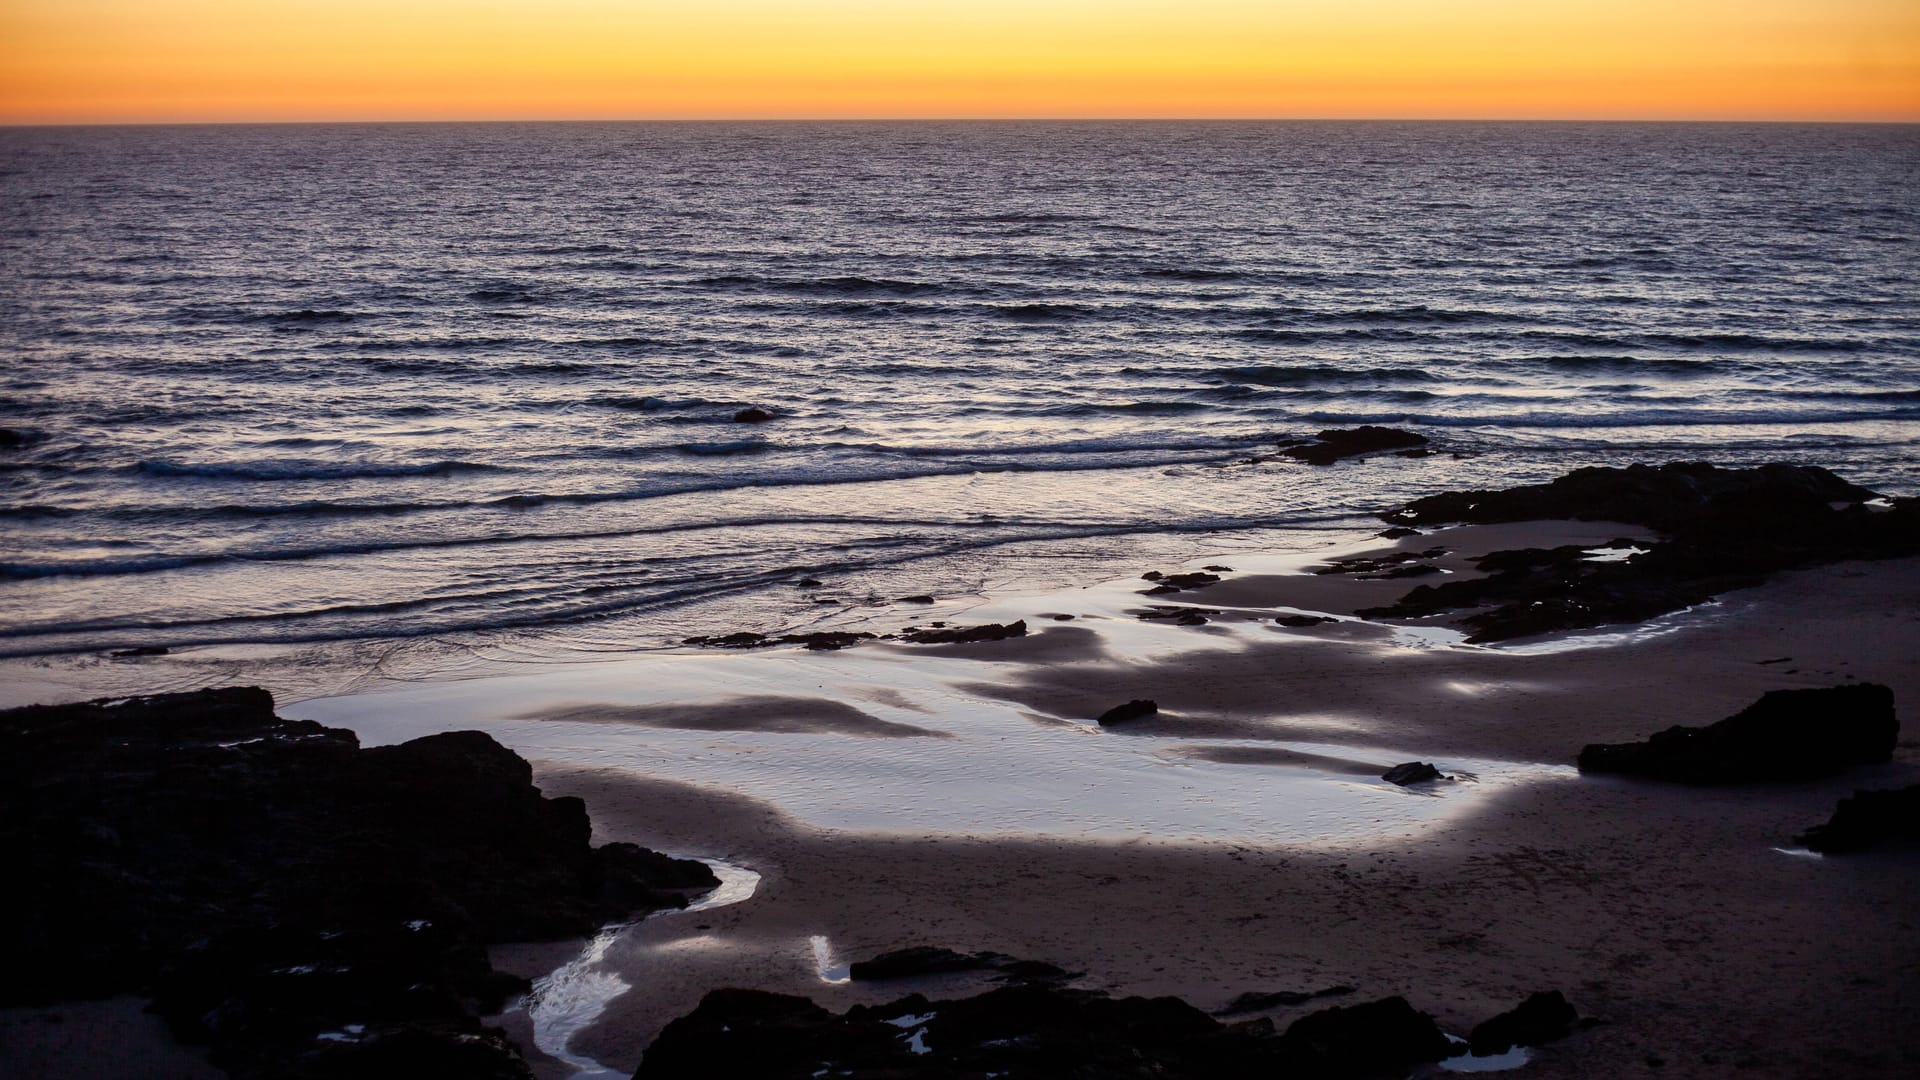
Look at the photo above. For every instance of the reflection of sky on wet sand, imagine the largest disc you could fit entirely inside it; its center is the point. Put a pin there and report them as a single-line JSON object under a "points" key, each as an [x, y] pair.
{"points": [[997, 772]]}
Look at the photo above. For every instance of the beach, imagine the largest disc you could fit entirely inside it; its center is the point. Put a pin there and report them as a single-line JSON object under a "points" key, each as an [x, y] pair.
{"points": [[926, 526], [1680, 916]]}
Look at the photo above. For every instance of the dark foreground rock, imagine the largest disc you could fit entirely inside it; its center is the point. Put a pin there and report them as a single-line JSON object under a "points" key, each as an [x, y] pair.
{"points": [[1725, 529], [1334, 444], [1542, 1018], [1867, 819], [270, 882], [1786, 735], [1029, 1033], [1258, 1001], [920, 961]]}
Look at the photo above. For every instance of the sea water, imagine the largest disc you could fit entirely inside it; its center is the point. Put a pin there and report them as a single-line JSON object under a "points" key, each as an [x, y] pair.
{"points": [[407, 394]]}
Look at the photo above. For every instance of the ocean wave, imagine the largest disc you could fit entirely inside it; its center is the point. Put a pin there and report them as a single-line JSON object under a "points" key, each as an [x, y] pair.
{"points": [[728, 448], [1621, 418], [1303, 374], [301, 469]]}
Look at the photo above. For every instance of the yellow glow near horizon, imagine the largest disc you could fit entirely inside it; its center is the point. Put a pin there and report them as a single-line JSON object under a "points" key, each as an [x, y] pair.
{"points": [[200, 60]]}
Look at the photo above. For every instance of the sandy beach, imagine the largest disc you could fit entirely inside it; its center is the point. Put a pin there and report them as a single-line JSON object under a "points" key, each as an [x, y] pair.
{"points": [[1239, 840], [1680, 917]]}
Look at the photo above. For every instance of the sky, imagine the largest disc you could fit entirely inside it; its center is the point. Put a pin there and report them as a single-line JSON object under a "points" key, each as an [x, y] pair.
{"points": [[114, 61]]}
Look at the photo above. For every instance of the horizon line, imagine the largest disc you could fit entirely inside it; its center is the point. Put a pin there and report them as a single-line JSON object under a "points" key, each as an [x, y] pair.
{"points": [[397, 121]]}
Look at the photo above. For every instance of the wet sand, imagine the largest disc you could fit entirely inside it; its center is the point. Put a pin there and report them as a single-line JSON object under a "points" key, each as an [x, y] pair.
{"points": [[1670, 913]]}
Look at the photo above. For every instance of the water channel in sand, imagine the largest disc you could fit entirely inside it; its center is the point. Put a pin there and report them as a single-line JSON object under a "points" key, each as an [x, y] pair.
{"points": [[569, 999]]}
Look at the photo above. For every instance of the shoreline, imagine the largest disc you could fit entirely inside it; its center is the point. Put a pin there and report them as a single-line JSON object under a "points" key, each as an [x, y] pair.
{"points": [[1696, 940]]}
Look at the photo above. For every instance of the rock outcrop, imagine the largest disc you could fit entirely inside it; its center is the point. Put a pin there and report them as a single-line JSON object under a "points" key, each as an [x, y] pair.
{"points": [[1725, 529], [1334, 444], [307, 907], [1867, 819], [1030, 1032], [1786, 735]]}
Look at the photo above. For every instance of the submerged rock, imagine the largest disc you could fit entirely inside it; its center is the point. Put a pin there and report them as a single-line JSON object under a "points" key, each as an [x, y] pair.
{"points": [[1867, 819], [1298, 621], [1786, 735], [753, 415], [1334, 444]]}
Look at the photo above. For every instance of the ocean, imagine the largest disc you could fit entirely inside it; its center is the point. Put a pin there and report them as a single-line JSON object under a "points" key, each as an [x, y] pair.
{"points": [[402, 396]]}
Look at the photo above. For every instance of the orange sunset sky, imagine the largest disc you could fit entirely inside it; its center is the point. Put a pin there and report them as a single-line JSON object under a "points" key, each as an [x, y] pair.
{"points": [[90, 61]]}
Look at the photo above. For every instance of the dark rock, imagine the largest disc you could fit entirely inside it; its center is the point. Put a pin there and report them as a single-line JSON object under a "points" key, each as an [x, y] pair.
{"points": [[752, 416], [917, 960], [1786, 735], [827, 640], [1867, 819], [1132, 710], [745, 639], [1411, 772], [140, 650], [1378, 1037], [1183, 615], [1198, 579], [1218, 569], [268, 880], [1336, 443], [1029, 1032], [1152, 575], [1383, 565], [1728, 529], [1542, 1018], [922, 598], [1398, 532], [1304, 620], [1253, 1001], [1063, 618], [961, 635], [1671, 498]]}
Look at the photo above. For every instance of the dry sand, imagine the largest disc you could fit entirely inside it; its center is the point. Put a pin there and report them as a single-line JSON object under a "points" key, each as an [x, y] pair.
{"points": [[1668, 912]]}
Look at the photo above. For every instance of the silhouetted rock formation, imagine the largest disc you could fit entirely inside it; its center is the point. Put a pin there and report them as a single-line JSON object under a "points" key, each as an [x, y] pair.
{"points": [[1786, 735], [269, 881], [1030, 1033], [1336, 443], [1542, 1018], [1867, 819], [1727, 529], [753, 415]]}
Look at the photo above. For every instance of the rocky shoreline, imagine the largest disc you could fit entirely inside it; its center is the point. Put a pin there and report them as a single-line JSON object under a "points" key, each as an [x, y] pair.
{"points": [[305, 907], [297, 904]]}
